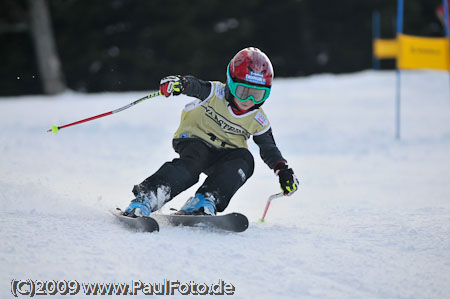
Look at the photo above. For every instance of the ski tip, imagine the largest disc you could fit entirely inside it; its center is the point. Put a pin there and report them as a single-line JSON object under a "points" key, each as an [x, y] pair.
{"points": [[115, 211], [243, 222], [142, 224]]}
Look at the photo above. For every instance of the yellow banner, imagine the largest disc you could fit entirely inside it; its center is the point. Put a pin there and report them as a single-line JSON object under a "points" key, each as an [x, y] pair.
{"points": [[385, 48], [423, 52]]}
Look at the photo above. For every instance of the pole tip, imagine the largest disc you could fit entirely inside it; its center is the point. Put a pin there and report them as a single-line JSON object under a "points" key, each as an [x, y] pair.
{"points": [[261, 220]]}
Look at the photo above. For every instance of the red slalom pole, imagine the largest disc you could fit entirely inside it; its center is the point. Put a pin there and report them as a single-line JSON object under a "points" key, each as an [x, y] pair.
{"points": [[278, 195], [55, 128]]}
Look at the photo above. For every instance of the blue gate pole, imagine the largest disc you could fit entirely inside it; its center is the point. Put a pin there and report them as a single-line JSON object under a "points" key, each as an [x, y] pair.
{"points": [[399, 85]]}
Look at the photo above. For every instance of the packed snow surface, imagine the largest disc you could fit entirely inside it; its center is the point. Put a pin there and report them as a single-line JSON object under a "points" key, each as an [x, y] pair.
{"points": [[371, 218]]}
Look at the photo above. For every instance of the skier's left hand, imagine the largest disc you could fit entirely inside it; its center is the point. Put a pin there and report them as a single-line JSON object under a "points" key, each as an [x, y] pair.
{"points": [[288, 181]]}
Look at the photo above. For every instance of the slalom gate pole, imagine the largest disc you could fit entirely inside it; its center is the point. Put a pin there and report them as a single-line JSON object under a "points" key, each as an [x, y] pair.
{"points": [[55, 128], [398, 73], [272, 197]]}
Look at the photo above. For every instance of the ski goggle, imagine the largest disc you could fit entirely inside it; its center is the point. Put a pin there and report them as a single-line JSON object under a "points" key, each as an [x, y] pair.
{"points": [[244, 92]]}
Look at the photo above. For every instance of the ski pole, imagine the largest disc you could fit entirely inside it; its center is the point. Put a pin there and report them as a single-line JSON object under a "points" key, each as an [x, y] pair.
{"points": [[55, 128], [278, 195]]}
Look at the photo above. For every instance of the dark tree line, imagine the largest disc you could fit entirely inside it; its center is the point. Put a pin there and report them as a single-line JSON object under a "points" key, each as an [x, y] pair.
{"points": [[115, 45]]}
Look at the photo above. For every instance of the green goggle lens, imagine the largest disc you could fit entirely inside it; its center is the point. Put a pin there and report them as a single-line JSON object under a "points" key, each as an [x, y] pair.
{"points": [[244, 92]]}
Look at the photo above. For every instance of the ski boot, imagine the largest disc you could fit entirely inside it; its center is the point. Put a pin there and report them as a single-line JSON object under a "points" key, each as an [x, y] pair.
{"points": [[140, 206], [198, 205]]}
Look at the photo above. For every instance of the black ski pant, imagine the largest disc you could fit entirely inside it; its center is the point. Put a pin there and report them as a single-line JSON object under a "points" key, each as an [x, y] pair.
{"points": [[227, 171]]}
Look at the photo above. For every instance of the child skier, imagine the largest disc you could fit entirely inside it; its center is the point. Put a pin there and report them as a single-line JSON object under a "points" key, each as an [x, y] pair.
{"points": [[212, 139]]}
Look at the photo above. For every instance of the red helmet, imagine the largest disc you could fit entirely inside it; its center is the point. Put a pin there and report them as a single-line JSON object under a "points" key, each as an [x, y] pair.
{"points": [[251, 66]]}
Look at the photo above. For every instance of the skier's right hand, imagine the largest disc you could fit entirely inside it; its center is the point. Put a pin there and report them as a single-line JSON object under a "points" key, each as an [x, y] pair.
{"points": [[288, 180], [172, 85]]}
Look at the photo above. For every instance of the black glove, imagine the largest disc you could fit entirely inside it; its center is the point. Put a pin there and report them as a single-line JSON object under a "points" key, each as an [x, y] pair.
{"points": [[172, 85], [288, 180]]}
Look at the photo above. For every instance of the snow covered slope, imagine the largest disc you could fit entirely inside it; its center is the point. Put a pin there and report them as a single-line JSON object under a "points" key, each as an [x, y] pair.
{"points": [[371, 220]]}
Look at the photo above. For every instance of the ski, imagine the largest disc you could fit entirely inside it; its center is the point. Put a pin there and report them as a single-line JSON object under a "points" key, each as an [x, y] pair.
{"points": [[143, 224], [234, 222]]}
